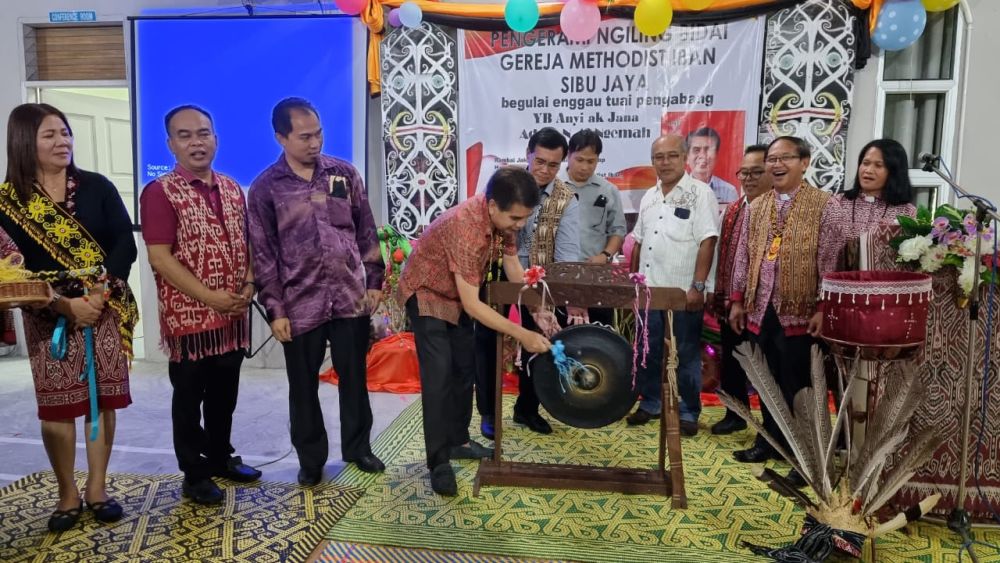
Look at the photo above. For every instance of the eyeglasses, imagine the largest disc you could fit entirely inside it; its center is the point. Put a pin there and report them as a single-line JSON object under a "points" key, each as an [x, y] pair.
{"points": [[784, 159], [660, 157], [540, 163], [744, 174]]}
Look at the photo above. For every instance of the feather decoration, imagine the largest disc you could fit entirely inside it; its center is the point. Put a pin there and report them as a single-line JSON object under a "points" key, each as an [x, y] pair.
{"points": [[755, 365], [845, 401], [911, 514], [869, 468], [744, 412], [917, 453], [891, 418], [781, 486], [806, 419], [823, 426]]}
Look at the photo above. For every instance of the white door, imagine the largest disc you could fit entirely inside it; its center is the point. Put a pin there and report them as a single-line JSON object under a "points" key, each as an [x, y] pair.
{"points": [[102, 143]]}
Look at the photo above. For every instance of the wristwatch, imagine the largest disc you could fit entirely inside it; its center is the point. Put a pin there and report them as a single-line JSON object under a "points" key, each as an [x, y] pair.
{"points": [[698, 286], [608, 254]]}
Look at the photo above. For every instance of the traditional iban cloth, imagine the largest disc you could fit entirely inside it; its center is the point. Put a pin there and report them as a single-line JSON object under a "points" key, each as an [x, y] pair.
{"points": [[861, 215], [90, 229], [543, 243], [214, 250]]}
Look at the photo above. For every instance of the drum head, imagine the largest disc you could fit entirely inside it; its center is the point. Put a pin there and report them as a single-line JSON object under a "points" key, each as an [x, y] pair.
{"points": [[596, 394]]}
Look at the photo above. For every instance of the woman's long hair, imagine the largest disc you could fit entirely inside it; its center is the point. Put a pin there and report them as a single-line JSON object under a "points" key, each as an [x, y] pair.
{"points": [[22, 146], [898, 189]]}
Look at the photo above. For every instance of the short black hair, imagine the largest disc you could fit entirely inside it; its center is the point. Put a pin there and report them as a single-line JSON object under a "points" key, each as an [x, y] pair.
{"points": [[704, 132], [170, 115], [548, 138], [755, 148], [801, 147], [585, 138], [898, 189], [510, 185], [281, 115]]}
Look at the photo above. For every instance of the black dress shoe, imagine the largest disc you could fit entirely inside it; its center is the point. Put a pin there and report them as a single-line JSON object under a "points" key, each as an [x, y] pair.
{"points": [[640, 417], [62, 520], [795, 479], [486, 427], [689, 428], [534, 421], [755, 454], [202, 492], [368, 463], [728, 425], [107, 511], [473, 450], [310, 477], [236, 470], [443, 480]]}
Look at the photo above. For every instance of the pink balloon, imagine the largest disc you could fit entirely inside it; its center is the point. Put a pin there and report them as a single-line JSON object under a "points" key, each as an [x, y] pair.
{"points": [[350, 7], [394, 17], [579, 20]]}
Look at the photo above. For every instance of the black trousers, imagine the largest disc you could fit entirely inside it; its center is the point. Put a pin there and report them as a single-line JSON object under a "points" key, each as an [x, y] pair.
{"points": [[207, 388], [446, 353], [789, 359], [348, 343], [732, 378]]}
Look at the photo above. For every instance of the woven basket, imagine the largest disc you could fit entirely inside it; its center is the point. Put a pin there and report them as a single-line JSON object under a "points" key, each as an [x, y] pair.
{"points": [[18, 293]]}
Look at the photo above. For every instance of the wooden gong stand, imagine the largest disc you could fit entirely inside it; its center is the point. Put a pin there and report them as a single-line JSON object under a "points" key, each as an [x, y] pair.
{"points": [[598, 291]]}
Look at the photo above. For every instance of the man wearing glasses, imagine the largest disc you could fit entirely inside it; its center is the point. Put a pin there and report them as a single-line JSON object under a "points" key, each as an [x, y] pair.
{"points": [[788, 240], [551, 234], [675, 237], [733, 381]]}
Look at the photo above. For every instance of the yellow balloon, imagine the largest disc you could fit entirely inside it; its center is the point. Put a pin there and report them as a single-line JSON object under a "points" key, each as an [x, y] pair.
{"points": [[938, 5], [652, 17], [696, 5]]}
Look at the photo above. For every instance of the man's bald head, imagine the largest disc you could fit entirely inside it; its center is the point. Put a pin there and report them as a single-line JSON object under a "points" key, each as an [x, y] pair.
{"points": [[669, 154]]}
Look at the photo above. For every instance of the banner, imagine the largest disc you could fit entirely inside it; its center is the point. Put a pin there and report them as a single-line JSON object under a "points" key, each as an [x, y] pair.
{"points": [[631, 88]]}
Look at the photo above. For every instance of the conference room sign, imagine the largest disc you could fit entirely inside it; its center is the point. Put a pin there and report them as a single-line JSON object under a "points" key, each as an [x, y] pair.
{"points": [[629, 87]]}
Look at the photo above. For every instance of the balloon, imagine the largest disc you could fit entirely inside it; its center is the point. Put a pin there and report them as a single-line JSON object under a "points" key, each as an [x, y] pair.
{"points": [[521, 15], [350, 7], [939, 5], [579, 20], [410, 14], [696, 5], [652, 17], [394, 17], [899, 24]]}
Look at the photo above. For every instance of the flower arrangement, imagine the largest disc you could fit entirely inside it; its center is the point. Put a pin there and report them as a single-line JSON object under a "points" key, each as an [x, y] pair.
{"points": [[946, 238]]}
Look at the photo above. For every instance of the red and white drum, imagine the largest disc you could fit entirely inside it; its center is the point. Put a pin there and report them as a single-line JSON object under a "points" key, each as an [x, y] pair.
{"points": [[880, 315]]}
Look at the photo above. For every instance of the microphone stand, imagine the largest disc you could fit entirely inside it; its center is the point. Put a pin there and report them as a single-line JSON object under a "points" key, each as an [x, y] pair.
{"points": [[959, 520]]}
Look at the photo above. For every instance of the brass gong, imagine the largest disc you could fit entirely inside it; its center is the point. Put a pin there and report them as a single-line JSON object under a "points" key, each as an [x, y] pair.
{"points": [[598, 390]]}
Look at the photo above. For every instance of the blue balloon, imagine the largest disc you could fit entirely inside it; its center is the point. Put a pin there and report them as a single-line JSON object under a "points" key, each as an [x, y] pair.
{"points": [[410, 14], [899, 24], [521, 15]]}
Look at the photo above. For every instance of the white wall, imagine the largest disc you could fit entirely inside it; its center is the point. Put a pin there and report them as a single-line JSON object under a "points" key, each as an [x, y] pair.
{"points": [[977, 169]]}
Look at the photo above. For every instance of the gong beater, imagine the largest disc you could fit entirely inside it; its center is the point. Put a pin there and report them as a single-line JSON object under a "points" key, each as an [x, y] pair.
{"points": [[595, 392]]}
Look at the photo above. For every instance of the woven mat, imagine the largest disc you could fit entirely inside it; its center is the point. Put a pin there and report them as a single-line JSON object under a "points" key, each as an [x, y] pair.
{"points": [[259, 522], [727, 505]]}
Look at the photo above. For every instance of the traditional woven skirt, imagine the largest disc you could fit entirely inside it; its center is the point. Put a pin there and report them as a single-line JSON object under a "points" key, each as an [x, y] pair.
{"points": [[59, 389]]}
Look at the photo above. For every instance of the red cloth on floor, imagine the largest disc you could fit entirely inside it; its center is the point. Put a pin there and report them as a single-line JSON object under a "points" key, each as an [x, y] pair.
{"points": [[392, 365]]}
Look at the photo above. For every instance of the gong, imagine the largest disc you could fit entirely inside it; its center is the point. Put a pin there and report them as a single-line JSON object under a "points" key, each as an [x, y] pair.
{"points": [[596, 391]]}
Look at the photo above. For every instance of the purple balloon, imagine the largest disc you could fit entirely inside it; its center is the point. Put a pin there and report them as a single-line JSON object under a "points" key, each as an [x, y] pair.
{"points": [[394, 17]]}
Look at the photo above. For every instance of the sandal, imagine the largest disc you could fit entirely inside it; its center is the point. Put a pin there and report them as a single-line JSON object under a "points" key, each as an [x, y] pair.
{"points": [[62, 520], [107, 511]]}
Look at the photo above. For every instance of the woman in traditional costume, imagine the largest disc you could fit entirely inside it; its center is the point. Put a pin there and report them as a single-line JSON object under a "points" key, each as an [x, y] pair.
{"points": [[73, 231], [882, 189]]}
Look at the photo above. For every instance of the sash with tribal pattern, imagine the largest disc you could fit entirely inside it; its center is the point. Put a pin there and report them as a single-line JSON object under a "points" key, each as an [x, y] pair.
{"points": [[69, 243]]}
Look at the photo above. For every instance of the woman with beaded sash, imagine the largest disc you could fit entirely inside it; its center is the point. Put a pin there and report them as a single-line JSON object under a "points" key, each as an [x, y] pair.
{"points": [[72, 230]]}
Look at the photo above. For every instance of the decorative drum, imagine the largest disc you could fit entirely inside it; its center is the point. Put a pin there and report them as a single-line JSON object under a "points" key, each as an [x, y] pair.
{"points": [[879, 314]]}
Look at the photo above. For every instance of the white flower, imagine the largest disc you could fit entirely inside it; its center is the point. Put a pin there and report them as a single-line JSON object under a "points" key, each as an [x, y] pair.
{"points": [[932, 260], [965, 278], [913, 248]]}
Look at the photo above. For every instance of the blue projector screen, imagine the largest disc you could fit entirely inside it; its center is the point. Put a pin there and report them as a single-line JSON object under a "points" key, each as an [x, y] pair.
{"points": [[238, 68]]}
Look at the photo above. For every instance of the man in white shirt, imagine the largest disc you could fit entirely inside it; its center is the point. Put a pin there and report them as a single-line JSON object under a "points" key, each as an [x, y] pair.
{"points": [[675, 236]]}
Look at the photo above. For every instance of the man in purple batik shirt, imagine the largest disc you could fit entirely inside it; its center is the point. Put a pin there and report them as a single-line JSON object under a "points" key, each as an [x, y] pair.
{"points": [[319, 275]]}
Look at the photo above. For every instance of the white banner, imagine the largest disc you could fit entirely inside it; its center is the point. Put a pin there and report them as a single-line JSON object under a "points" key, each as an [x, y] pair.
{"points": [[629, 87]]}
